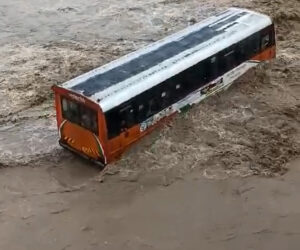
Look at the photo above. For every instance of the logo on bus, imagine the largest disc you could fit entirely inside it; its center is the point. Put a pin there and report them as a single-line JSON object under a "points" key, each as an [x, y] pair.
{"points": [[77, 98], [212, 86], [157, 117]]}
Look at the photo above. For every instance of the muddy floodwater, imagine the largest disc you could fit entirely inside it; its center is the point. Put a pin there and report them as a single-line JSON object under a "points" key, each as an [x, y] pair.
{"points": [[224, 175]]}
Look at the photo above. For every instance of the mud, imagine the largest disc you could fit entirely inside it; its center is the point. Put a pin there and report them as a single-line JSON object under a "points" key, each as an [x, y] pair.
{"points": [[251, 129]]}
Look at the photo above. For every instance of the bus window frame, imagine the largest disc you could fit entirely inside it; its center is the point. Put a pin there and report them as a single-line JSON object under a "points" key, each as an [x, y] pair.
{"points": [[127, 114], [92, 112]]}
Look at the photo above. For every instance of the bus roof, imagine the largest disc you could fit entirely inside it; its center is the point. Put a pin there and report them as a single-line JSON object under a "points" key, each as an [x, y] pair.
{"points": [[122, 79]]}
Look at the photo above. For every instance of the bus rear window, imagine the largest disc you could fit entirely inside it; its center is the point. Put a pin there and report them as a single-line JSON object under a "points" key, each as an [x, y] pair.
{"points": [[79, 114]]}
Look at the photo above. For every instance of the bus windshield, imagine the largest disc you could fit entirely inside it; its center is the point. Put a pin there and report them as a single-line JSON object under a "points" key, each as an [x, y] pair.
{"points": [[79, 114]]}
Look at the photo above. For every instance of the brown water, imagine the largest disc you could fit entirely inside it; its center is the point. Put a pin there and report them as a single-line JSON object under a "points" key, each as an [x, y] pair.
{"points": [[230, 134], [252, 129]]}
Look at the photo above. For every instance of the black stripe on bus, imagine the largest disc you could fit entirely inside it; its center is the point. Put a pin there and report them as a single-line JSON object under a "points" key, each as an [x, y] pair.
{"points": [[146, 61]]}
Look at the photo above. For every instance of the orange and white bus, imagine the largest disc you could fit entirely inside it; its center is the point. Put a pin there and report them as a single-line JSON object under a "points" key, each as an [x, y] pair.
{"points": [[104, 111]]}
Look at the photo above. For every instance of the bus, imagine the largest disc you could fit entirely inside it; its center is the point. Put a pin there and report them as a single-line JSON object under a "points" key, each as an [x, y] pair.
{"points": [[102, 112]]}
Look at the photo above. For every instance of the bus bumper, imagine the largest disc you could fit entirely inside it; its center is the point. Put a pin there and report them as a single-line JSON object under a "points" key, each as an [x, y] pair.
{"points": [[66, 146]]}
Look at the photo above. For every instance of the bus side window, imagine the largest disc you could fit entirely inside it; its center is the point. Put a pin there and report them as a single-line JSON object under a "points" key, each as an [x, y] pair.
{"points": [[127, 116], [265, 41], [256, 41], [190, 78], [112, 123], [165, 98], [141, 111], [201, 74], [241, 53], [272, 34], [229, 60], [206, 70], [176, 89], [198, 75], [253, 44], [213, 68], [152, 107]]}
